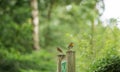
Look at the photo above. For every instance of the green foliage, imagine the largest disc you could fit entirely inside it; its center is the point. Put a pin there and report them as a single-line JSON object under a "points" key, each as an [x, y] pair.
{"points": [[16, 37], [70, 21], [15, 10], [107, 64], [34, 62]]}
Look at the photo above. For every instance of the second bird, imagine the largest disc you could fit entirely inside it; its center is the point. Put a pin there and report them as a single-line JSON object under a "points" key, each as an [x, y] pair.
{"points": [[59, 50]]}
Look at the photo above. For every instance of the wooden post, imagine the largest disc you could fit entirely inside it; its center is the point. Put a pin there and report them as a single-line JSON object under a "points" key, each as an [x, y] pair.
{"points": [[70, 61], [60, 58]]}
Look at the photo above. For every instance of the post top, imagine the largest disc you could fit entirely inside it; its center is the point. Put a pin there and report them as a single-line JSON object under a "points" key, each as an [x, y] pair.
{"points": [[70, 51], [61, 55]]}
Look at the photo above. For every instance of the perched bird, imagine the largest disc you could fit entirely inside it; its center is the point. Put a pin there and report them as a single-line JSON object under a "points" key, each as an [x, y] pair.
{"points": [[70, 45], [59, 50]]}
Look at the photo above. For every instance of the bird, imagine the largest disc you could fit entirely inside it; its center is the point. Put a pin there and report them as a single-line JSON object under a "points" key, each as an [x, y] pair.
{"points": [[70, 46], [59, 50]]}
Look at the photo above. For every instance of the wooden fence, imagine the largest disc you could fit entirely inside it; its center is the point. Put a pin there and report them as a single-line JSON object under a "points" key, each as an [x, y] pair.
{"points": [[66, 62]]}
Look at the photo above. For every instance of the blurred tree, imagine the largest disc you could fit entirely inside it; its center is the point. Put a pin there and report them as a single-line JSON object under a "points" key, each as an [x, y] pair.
{"points": [[35, 22]]}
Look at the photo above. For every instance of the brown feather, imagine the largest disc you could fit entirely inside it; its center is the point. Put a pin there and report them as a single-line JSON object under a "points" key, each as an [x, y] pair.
{"points": [[59, 50]]}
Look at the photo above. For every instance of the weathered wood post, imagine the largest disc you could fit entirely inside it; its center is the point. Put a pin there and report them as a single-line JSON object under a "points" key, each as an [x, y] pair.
{"points": [[66, 63], [70, 56], [60, 58]]}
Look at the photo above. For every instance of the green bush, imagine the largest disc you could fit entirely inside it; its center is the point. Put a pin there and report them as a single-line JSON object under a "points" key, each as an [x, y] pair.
{"points": [[15, 36], [107, 64], [35, 62]]}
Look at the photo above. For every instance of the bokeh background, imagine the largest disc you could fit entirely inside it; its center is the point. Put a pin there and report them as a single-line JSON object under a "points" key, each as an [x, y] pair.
{"points": [[60, 22]]}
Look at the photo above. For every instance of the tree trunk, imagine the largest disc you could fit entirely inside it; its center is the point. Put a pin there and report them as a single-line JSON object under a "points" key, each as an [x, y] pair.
{"points": [[92, 36], [35, 22]]}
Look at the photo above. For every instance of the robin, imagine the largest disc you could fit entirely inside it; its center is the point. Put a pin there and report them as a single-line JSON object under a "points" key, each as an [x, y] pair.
{"points": [[59, 50], [70, 45]]}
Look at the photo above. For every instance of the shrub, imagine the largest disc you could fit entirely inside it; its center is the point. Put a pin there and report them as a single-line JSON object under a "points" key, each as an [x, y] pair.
{"points": [[107, 64], [37, 61]]}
